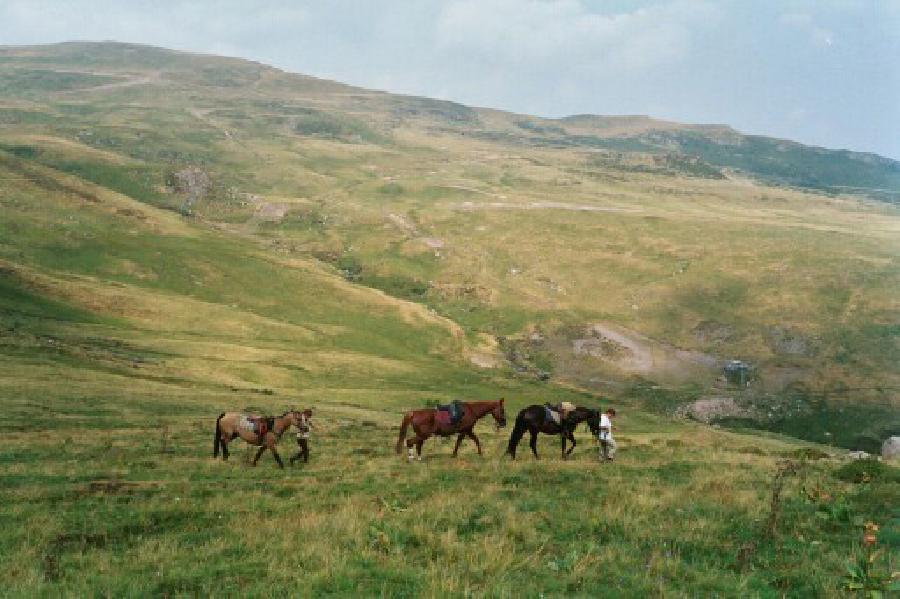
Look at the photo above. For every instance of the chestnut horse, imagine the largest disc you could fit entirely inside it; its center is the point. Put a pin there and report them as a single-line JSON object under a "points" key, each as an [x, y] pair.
{"points": [[534, 420], [425, 424], [230, 425]]}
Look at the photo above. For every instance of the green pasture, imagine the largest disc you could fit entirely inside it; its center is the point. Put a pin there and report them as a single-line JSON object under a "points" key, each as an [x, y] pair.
{"points": [[365, 254]]}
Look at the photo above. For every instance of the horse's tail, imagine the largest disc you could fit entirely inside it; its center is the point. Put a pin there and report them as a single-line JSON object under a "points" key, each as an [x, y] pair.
{"points": [[407, 418], [217, 440], [516, 436]]}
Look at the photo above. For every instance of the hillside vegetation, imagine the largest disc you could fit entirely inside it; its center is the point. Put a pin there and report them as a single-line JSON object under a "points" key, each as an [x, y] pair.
{"points": [[185, 234]]}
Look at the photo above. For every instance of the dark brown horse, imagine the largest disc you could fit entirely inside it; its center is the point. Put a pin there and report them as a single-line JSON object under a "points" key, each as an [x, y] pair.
{"points": [[262, 431], [426, 423], [534, 419]]}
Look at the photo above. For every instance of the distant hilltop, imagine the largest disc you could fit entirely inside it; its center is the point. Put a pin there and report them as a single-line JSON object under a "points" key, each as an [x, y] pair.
{"points": [[708, 150]]}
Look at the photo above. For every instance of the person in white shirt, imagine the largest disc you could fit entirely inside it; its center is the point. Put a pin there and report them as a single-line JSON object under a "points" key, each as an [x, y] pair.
{"points": [[607, 443]]}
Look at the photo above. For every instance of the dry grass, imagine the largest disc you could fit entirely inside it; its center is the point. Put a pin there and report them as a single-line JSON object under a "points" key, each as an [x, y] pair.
{"points": [[125, 328]]}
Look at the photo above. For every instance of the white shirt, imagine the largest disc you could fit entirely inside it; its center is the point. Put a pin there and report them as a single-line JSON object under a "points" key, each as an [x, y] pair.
{"points": [[605, 423]]}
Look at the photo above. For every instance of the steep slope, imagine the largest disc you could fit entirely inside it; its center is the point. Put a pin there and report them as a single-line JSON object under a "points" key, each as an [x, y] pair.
{"points": [[529, 233]]}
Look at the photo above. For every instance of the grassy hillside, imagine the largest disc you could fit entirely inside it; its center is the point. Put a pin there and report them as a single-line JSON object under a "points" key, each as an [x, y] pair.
{"points": [[182, 234]]}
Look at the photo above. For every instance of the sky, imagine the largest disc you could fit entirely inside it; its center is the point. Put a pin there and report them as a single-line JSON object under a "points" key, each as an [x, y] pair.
{"points": [[822, 72]]}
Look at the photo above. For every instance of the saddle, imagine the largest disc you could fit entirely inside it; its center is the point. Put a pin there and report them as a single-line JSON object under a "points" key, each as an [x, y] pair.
{"points": [[559, 414], [262, 425], [450, 414]]}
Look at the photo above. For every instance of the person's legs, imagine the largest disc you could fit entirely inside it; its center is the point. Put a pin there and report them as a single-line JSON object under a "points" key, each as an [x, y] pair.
{"points": [[611, 448], [303, 451]]}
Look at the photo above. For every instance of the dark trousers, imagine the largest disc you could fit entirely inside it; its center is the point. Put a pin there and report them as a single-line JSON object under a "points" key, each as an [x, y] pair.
{"points": [[303, 444]]}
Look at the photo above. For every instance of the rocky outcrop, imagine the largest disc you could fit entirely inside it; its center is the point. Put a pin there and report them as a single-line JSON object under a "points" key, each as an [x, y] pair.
{"points": [[858, 455], [789, 342], [710, 409], [710, 332], [890, 449], [193, 183]]}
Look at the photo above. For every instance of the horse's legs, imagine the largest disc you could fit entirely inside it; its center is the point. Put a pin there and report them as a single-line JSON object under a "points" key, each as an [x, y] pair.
{"points": [[302, 452], [533, 443], [276, 456], [472, 436], [574, 443], [262, 448], [415, 442], [228, 438], [459, 439]]}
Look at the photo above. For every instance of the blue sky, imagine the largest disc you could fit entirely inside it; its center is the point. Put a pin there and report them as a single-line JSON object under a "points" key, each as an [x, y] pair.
{"points": [[821, 72]]}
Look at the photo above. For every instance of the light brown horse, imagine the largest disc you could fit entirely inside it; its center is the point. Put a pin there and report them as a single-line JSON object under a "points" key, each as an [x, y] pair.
{"points": [[425, 423], [262, 431]]}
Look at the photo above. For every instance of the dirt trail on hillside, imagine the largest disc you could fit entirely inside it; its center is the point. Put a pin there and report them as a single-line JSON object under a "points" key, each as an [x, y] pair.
{"points": [[543, 206], [150, 78], [634, 353]]}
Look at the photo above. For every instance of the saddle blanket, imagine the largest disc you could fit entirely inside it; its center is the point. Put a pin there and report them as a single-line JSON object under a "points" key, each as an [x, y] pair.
{"points": [[246, 424], [450, 414], [259, 426], [552, 415]]}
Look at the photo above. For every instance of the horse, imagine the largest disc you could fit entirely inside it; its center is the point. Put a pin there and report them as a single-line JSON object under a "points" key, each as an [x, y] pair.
{"points": [[534, 419], [425, 424], [263, 431]]}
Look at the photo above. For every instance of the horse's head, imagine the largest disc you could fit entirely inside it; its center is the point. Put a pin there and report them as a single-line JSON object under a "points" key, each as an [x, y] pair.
{"points": [[499, 414], [593, 422], [298, 419]]}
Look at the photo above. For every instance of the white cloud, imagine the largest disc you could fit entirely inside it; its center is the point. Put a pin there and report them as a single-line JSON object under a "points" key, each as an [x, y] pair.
{"points": [[566, 33]]}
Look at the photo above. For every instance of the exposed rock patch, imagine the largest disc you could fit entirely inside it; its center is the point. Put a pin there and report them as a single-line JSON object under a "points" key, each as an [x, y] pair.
{"points": [[606, 342], [710, 409], [402, 223], [713, 333], [890, 449], [789, 342], [464, 291], [631, 352], [192, 182], [271, 212], [483, 360], [858, 455], [600, 347]]}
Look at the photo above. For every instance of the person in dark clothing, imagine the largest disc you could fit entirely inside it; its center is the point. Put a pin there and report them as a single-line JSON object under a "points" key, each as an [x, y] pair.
{"points": [[304, 429]]}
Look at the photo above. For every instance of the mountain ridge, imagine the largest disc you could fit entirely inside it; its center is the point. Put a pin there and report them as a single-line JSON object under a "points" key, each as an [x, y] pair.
{"points": [[720, 145]]}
